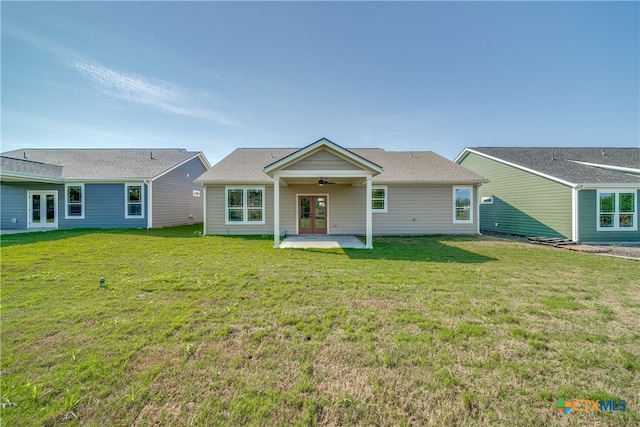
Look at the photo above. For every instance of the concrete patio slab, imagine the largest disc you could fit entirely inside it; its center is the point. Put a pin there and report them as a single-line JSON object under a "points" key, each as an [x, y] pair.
{"points": [[322, 241]]}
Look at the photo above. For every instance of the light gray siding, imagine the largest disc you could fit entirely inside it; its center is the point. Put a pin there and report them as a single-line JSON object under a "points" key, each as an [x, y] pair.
{"points": [[412, 210], [422, 210], [173, 197], [323, 160], [345, 207], [215, 207]]}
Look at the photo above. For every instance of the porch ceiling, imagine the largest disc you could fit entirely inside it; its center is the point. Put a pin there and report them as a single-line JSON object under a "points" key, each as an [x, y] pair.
{"points": [[329, 180]]}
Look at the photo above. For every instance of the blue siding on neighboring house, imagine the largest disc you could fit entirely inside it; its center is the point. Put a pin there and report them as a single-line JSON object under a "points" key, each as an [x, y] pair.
{"points": [[13, 199], [104, 206], [587, 205]]}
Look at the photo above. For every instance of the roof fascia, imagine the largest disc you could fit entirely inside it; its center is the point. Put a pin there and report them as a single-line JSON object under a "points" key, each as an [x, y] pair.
{"points": [[17, 177], [316, 146], [523, 168], [236, 182], [429, 183], [608, 185], [607, 166]]}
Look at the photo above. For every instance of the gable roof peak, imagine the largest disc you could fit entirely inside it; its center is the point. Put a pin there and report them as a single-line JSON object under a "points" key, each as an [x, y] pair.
{"points": [[322, 143]]}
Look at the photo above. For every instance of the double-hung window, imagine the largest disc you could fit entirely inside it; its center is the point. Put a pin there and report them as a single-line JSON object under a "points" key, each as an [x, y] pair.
{"points": [[617, 210], [244, 205], [379, 199], [462, 204], [74, 200], [134, 201]]}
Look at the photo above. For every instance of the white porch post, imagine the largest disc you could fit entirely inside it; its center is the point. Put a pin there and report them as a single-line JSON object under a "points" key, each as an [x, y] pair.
{"points": [[575, 214], [369, 238], [276, 211]]}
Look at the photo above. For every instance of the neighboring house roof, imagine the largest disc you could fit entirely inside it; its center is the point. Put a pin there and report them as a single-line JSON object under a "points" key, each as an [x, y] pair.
{"points": [[572, 166], [93, 164], [20, 169], [247, 165]]}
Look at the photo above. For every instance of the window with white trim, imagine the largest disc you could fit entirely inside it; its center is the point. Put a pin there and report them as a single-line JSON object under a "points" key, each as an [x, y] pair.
{"points": [[244, 205], [617, 210], [134, 200], [462, 204], [487, 200], [379, 199], [74, 200]]}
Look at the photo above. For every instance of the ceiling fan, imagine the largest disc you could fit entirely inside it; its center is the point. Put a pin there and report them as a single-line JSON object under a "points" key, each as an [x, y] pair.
{"points": [[322, 182]]}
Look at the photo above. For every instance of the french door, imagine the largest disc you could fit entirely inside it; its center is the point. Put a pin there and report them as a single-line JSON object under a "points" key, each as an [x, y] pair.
{"points": [[312, 214], [42, 209]]}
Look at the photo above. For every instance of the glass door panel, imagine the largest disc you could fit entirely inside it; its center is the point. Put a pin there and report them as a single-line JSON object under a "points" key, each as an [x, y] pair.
{"points": [[320, 223], [305, 215], [36, 202], [51, 209]]}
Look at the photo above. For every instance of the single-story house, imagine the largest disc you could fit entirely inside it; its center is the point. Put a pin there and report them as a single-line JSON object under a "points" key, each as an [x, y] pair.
{"points": [[587, 195], [100, 188], [324, 188]]}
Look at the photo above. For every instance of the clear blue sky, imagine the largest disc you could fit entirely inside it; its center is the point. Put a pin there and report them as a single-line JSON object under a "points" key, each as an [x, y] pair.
{"points": [[214, 76]]}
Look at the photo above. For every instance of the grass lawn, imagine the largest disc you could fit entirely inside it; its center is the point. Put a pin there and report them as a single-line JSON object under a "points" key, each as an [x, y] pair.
{"points": [[192, 330]]}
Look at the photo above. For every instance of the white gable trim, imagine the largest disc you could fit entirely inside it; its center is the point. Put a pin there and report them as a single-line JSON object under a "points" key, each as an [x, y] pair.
{"points": [[316, 146]]}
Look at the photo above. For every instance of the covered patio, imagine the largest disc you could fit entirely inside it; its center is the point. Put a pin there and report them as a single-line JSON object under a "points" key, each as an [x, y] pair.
{"points": [[322, 241]]}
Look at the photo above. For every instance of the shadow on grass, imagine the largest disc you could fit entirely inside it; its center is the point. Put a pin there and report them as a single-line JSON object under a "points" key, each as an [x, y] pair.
{"points": [[426, 249], [28, 237]]}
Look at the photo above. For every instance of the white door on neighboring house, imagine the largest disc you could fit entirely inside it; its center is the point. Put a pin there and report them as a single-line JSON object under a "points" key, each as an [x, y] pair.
{"points": [[42, 209]]}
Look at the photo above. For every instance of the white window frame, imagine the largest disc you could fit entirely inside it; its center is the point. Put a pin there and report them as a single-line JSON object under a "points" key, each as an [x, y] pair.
{"points": [[127, 203], [470, 208], [487, 200], [245, 207], [385, 199], [616, 213], [67, 202]]}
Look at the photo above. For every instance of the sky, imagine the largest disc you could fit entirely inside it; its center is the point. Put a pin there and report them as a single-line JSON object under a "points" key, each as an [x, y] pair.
{"points": [[216, 76]]}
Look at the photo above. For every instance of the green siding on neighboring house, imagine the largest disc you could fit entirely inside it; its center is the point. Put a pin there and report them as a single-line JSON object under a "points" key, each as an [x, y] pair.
{"points": [[587, 233], [523, 203]]}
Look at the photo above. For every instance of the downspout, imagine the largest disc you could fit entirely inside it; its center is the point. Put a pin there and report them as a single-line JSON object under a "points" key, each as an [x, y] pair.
{"points": [[276, 211], [478, 203], [149, 204], [369, 214], [204, 210]]}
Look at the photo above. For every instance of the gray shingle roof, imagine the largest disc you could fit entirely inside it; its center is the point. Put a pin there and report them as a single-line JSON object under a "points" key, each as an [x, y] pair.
{"points": [[246, 165], [562, 163], [97, 164], [28, 168]]}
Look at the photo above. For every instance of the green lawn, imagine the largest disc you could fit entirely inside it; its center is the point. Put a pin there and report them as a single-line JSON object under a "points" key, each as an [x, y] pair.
{"points": [[193, 330]]}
